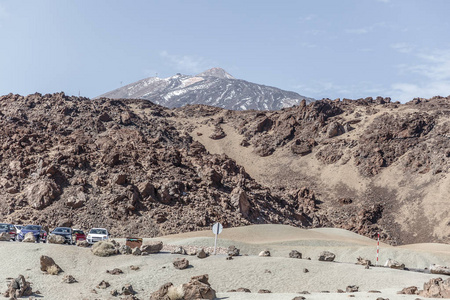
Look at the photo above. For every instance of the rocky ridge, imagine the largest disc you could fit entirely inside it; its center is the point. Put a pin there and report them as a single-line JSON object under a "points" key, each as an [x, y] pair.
{"points": [[142, 169]]}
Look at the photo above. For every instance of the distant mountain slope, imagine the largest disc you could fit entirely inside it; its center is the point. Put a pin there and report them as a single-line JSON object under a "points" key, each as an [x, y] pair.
{"points": [[213, 87]]}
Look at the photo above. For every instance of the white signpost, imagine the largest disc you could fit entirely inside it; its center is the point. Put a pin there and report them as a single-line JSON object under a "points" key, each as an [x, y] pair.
{"points": [[217, 229]]}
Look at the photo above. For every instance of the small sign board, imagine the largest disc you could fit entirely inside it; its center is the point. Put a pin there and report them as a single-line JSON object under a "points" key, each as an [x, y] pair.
{"points": [[217, 228]]}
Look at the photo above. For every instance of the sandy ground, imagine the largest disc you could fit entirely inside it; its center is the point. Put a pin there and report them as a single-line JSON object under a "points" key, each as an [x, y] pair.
{"points": [[282, 275]]}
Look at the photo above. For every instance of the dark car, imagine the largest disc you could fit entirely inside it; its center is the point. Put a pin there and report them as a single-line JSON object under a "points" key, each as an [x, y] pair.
{"points": [[35, 229], [65, 232], [8, 228], [78, 235]]}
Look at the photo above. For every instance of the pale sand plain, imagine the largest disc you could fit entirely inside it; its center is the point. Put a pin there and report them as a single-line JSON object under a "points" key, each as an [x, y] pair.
{"points": [[280, 274]]}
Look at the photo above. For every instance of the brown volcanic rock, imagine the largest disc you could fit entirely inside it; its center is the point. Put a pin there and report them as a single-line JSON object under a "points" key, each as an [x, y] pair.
{"points": [[119, 163]]}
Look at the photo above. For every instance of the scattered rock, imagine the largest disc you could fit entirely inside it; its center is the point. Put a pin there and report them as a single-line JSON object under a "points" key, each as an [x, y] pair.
{"points": [[127, 289], [134, 268], [49, 266], [136, 251], [178, 250], [412, 290], [437, 269], [115, 293], [243, 290], [373, 291], [103, 285], [152, 248], [4, 236], [305, 270], [162, 293], [390, 263], [69, 279], [198, 288], [339, 291], [233, 251], [18, 287], [299, 298], [326, 256], [436, 288], [218, 133], [84, 244], [55, 239], [181, 263], [352, 289], [104, 249], [201, 254], [124, 249], [264, 292], [115, 271], [295, 254], [29, 238], [264, 253], [363, 261]]}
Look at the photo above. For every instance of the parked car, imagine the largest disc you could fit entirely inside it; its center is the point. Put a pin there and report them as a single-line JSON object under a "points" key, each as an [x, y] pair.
{"points": [[65, 232], [35, 229], [8, 228], [44, 236], [97, 234], [78, 235]]}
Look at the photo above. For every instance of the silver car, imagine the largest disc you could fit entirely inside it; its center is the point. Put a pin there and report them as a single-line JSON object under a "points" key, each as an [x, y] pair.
{"points": [[8, 228]]}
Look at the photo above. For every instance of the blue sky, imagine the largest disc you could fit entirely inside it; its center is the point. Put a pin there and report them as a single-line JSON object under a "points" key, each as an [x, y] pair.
{"points": [[346, 48]]}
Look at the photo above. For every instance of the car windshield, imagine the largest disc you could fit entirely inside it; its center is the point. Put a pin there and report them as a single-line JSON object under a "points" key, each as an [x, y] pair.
{"points": [[98, 231], [62, 230], [32, 227], [78, 232], [4, 226], [18, 226]]}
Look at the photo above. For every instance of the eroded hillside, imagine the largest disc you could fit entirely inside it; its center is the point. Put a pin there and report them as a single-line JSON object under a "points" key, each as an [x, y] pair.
{"points": [[141, 169]]}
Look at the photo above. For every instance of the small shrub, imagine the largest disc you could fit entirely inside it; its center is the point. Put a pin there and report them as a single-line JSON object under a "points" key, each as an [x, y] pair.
{"points": [[53, 270], [175, 293]]}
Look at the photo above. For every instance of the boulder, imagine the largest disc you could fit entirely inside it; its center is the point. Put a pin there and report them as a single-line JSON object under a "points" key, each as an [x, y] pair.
{"points": [[29, 238], [201, 253], [233, 251], [295, 254], [264, 253], [127, 289], [390, 263], [136, 251], [49, 266], [55, 239], [326, 256], [84, 244], [239, 200], [181, 263], [262, 291], [412, 290], [4, 236], [162, 292], [178, 250], [437, 269], [198, 288], [124, 249], [335, 129], [243, 290], [218, 133], [76, 200], [41, 193], [152, 248], [104, 249], [436, 288]]}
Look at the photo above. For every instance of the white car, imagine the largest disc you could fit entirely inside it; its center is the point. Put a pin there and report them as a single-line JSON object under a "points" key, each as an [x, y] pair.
{"points": [[97, 234]]}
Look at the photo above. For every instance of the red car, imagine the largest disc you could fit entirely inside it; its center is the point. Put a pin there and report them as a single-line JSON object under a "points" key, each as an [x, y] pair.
{"points": [[78, 235]]}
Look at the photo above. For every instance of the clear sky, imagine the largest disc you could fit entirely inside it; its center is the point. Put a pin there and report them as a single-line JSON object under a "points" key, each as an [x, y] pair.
{"points": [[318, 48]]}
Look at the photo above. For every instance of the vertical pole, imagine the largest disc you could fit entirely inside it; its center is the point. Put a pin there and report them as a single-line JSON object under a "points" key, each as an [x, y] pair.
{"points": [[215, 243], [378, 248]]}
